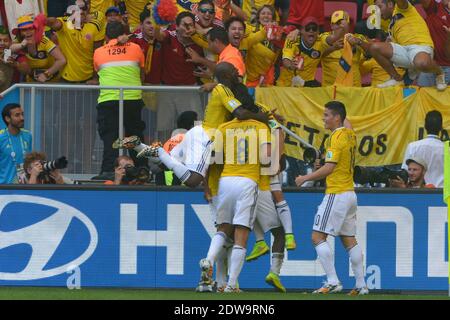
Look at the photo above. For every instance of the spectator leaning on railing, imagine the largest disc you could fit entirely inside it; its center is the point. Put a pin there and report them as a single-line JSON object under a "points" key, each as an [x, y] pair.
{"points": [[15, 143]]}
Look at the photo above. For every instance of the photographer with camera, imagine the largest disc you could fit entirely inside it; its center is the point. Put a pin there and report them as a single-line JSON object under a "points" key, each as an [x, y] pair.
{"points": [[37, 170], [125, 173], [417, 168]]}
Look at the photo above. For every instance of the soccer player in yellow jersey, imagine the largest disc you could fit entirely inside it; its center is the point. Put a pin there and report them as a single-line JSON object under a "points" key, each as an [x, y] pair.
{"points": [[411, 47], [330, 62], [196, 146], [336, 215], [246, 149]]}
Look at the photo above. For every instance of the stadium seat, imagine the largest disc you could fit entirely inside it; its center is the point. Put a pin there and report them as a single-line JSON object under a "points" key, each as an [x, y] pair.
{"points": [[350, 7]]}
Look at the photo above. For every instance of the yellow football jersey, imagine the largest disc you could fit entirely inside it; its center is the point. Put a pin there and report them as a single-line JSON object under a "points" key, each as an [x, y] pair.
{"points": [[134, 9], [98, 18], [43, 59], [101, 5], [220, 106], [78, 48], [340, 149], [242, 141], [408, 27], [260, 58], [379, 75], [311, 59], [330, 63]]}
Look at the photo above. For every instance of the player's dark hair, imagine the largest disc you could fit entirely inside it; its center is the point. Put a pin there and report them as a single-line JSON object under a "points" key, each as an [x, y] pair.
{"points": [[114, 29], [183, 15], [6, 112], [218, 33], [433, 122], [228, 75], [337, 108], [231, 20], [186, 120]]}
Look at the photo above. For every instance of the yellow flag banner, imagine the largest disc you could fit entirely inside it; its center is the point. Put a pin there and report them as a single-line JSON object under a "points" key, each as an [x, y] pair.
{"points": [[384, 122]]}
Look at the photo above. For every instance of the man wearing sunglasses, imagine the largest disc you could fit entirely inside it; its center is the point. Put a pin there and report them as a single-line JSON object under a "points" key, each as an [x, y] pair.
{"points": [[206, 15], [302, 55]]}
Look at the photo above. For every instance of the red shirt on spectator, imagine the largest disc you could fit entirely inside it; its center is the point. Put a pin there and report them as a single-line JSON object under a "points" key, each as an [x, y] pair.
{"points": [[437, 17], [300, 9], [176, 71], [154, 76]]}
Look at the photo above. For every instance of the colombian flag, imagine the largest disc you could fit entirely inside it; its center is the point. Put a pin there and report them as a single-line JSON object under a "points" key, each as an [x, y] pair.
{"points": [[344, 75]]}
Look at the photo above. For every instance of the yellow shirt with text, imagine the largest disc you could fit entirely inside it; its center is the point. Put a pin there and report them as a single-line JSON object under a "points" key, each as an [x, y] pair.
{"points": [[311, 59], [340, 149], [242, 142]]}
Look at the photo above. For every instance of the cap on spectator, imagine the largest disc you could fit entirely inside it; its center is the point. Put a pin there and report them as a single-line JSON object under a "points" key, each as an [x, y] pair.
{"points": [[112, 9], [309, 20], [23, 22], [419, 161], [340, 15]]}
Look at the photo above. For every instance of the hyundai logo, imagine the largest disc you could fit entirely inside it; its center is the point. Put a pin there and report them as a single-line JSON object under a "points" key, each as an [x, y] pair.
{"points": [[44, 238]]}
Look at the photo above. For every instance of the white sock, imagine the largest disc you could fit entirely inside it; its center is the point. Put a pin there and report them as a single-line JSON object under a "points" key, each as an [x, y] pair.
{"points": [[140, 147], [326, 259], [277, 262], [284, 212], [236, 264], [259, 232], [179, 169], [217, 243], [356, 260], [221, 268]]}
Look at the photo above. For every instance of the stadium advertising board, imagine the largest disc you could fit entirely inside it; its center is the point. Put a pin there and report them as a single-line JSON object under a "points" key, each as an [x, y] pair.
{"points": [[156, 239]]}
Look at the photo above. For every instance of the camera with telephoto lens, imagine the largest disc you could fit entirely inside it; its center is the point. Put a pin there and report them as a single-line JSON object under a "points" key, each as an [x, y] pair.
{"points": [[141, 174], [373, 175], [60, 163], [310, 155]]}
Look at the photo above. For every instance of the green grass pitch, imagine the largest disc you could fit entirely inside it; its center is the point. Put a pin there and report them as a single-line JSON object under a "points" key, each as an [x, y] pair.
{"points": [[40, 293]]}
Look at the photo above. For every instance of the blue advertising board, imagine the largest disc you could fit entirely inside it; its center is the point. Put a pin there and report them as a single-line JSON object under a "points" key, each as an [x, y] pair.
{"points": [[155, 239]]}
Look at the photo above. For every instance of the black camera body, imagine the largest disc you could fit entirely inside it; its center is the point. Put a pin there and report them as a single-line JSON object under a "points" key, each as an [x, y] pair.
{"points": [[141, 174], [373, 175]]}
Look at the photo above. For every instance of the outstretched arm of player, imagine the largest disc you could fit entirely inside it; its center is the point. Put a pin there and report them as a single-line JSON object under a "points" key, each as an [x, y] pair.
{"points": [[320, 174]]}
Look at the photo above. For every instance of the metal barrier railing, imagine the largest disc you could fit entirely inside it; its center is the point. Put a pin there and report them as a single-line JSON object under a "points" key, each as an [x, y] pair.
{"points": [[62, 118]]}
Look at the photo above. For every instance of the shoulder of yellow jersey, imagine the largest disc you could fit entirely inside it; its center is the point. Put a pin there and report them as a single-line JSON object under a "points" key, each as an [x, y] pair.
{"points": [[221, 89]]}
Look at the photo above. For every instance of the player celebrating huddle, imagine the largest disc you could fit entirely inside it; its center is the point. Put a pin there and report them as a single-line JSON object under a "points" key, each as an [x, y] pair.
{"points": [[336, 215], [246, 148]]}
